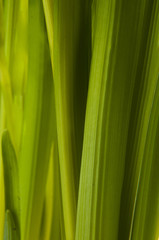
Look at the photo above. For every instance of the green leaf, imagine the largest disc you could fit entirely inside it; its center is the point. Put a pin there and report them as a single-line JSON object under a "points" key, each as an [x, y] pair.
{"points": [[37, 126], [142, 103], [116, 68], [10, 231], [146, 215], [52, 221], [69, 25], [11, 178]]}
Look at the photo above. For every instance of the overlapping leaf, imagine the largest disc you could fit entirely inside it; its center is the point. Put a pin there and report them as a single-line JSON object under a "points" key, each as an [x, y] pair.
{"points": [[37, 126]]}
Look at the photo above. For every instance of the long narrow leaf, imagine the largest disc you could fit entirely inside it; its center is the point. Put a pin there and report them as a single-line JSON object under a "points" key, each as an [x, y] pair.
{"points": [[37, 127], [11, 178]]}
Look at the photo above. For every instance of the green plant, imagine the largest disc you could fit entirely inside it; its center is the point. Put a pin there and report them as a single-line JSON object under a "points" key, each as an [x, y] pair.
{"points": [[79, 119]]}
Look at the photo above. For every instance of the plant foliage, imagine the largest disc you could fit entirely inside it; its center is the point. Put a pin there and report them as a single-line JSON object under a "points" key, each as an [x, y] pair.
{"points": [[79, 119]]}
